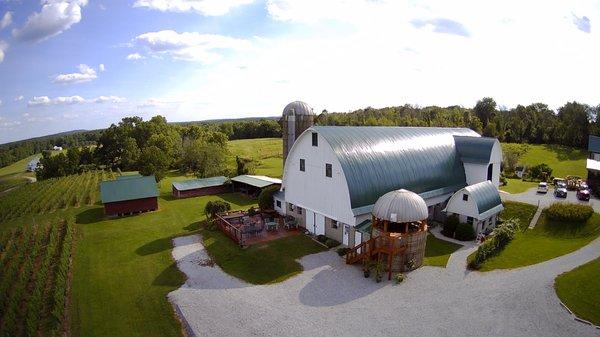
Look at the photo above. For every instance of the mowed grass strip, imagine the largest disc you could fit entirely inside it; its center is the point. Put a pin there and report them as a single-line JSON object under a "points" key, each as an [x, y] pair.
{"points": [[123, 269], [518, 186], [265, 263], [549, 239], [579, 289], [437, 251], [518, 210]]}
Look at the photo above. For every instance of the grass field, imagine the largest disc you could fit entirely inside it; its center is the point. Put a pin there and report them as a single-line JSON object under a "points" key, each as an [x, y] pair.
{"points": [[437, 252], [266, 151], [17, 167], [265, 263], [518, 210], [546, 241], [579, 290], [517, 185]]}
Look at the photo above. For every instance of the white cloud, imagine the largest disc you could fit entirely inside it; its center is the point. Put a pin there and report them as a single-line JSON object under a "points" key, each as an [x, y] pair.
{"points": [[205, 48], [19, 98], [3, 48], [54, 18], [71, 100], [134, 56], [351, 54], [85, 74], [205, 7], [101, 67], [6, 20]]}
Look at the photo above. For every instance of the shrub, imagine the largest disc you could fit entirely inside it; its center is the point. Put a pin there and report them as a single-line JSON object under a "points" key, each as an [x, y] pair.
{"points": [[500, 238], [399, 278], [321, 238], [464, 232], [251, 211], [450, 225], [343, 251], [541, 172], [503, 180], [212, 208], [265, 198], [330, 243], [569, 212]]}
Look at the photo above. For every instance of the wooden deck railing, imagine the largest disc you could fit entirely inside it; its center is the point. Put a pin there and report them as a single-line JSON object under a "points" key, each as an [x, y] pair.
{"points": [[230, 230], [378, 244]]}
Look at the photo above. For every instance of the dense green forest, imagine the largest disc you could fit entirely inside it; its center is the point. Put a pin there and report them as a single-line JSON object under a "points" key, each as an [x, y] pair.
{"points": [[155, 146]]}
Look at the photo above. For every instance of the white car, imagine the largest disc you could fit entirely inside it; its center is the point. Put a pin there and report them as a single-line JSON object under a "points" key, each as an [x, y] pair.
{"points": [[542, 188]]}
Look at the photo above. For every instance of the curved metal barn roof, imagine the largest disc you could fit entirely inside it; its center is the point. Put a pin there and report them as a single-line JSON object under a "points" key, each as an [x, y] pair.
{"points": [[475, 150], [486, 196], [376, 160]]}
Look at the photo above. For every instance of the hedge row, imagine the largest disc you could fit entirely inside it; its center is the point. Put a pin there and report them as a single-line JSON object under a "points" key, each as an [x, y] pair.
{"points": [[568, 212], [502, 235]]}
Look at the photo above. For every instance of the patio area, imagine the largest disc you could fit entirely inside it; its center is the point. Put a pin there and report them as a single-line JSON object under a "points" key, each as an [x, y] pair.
{"points": [[251, 227]]}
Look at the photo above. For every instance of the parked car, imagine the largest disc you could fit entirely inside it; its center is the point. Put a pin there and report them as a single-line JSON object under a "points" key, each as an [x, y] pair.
{"points": [[542, 188], [560, 192], [583, 194], [584, 186], [561, 184]]}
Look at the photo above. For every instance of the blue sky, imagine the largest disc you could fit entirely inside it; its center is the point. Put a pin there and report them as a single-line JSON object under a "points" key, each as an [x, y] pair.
{"points": [[84, 64]]}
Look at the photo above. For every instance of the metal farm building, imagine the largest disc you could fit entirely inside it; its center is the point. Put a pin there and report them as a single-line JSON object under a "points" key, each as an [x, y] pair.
{"points": [[200, 187], [129, 195]]}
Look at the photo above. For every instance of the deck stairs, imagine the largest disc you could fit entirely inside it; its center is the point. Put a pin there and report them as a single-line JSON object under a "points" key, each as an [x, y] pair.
{"points": [[379, 245]]}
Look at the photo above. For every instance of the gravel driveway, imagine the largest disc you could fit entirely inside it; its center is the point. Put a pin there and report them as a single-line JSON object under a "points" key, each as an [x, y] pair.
{"points": [[331, 298]]}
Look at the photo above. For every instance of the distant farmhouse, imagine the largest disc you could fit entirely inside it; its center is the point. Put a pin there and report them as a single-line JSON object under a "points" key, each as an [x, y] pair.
{"points": [[129, 195], [33, 164], [334, 175], [593, 162], [200, 187], [57, 148]]}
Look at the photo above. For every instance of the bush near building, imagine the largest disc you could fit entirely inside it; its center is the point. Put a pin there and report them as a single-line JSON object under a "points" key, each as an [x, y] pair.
{"points": [[464, 232], [265, 198], [569, 212], [450, 226], [502, 235]]}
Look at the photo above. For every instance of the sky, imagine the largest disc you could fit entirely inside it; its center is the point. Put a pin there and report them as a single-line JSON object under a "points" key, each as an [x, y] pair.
{"points": [[84, 64]]}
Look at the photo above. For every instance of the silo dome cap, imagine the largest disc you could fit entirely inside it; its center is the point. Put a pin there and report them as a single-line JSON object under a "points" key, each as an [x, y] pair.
{"points": [[400, 206], [297, 108]]}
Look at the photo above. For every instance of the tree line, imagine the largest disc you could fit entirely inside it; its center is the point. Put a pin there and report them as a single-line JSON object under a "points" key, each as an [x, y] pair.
{"points": [[536, 123]]}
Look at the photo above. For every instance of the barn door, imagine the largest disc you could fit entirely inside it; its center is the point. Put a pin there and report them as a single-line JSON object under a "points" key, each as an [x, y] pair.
{"points": [[310, 221], [319, 224]]}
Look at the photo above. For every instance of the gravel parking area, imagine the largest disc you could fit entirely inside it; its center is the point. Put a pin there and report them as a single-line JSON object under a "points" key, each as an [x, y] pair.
{"points": [[331, 298], [532, 197]]}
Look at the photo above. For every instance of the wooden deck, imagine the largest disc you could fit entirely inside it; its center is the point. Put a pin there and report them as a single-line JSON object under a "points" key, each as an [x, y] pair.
{"points": [[253, 229]]}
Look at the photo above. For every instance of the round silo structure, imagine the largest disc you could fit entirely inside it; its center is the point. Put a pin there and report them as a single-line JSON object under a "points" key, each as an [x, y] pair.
{"points": [[297, 117]]}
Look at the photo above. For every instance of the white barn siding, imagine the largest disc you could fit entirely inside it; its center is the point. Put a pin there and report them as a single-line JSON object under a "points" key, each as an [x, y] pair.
{"points": [[311, 189], [476, 173]]}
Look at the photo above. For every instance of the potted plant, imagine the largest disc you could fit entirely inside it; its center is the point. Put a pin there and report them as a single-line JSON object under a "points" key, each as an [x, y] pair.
{"points": [[399, 278], [410, 264], [379, 271], [367, 268]]}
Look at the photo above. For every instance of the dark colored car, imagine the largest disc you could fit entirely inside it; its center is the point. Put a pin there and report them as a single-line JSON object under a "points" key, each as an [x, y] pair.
{"points": [[560, 192], [583, 195]]}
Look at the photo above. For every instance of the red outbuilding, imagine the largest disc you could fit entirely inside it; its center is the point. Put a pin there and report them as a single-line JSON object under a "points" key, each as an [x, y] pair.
{"points": [[129, 195]]}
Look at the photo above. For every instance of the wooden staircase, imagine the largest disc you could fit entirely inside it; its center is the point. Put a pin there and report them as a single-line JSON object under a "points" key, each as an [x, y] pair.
{"points": [[383, 244]]}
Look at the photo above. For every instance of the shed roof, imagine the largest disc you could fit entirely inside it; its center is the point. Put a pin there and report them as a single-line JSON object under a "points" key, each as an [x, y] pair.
{"points": [[128, 189], [256, 181], [199, 183], [476, 150], [594, 144], [129, 176], [486, 197], [376, 160], [364, 227]]}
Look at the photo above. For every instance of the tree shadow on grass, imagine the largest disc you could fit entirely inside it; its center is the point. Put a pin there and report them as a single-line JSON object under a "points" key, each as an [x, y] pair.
{"points": [[170, 277], [237, 199], [565, 153], [90, 216], [155, 246]]}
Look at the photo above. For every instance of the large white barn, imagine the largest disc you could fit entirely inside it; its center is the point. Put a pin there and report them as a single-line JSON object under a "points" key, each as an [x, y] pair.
{"points": [[334, 174]]}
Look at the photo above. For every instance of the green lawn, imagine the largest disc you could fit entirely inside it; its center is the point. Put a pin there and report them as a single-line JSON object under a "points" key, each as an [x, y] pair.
{"points": [[563, 160], [17, 167], [519, 210], [265, 263], [437, 251], [579, 290], [517, 186], [546, 241]]}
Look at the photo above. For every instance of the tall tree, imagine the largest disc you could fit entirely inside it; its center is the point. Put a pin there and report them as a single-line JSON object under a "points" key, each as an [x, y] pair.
{"points": [[485, 109]]}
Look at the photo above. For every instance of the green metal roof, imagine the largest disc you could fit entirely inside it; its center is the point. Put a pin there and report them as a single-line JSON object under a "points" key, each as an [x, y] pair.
{"points": [[364, 227], [256, 181], [477, 150], [128, 189], [199, 183], [594, 144], [376, 160], [486, 196]]}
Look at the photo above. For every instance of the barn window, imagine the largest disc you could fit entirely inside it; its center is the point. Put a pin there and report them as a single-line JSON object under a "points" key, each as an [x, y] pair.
{"points": [[302, 165], [470, 220], [278, 203], [315, 139], [465, 197], [299, 209], [334, 224], [328, 170]]}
